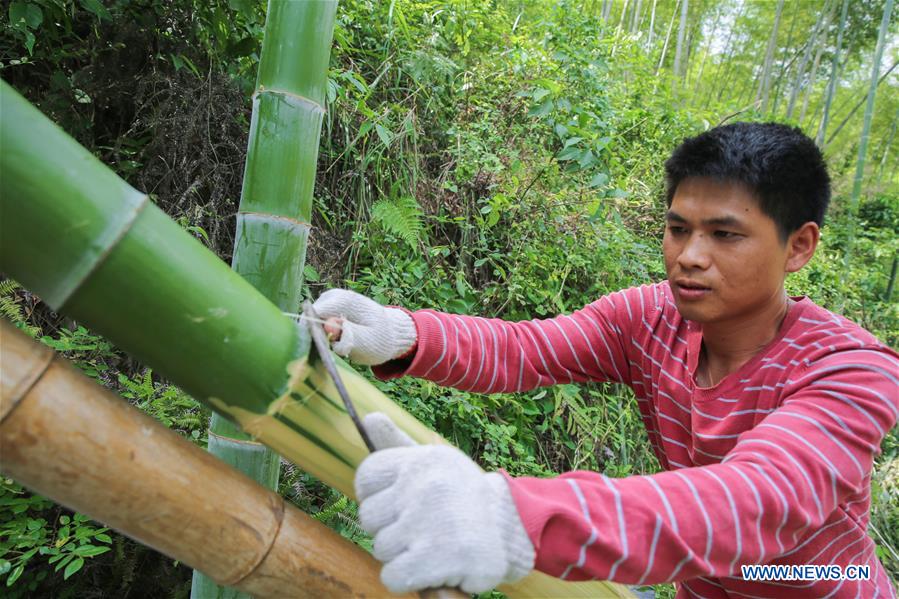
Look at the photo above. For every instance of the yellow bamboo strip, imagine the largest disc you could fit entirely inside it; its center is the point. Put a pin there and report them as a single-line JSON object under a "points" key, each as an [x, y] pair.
{"points": [[313, 403]]}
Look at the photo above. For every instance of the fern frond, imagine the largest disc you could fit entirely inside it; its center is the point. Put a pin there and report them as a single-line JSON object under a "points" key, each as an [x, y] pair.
{"points": [[7, 286], [402, 217], [335, 508], [10, 308]]}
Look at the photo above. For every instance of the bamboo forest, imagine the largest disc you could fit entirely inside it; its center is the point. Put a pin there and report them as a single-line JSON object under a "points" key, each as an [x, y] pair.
{"points": [[177, 177]]}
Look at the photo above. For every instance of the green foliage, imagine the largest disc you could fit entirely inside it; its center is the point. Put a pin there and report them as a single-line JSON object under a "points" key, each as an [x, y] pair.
{"points": [[11, 307], [401, 217], [860, 292], [884, 524], [167, 404], [91, 353], [33, 548]]}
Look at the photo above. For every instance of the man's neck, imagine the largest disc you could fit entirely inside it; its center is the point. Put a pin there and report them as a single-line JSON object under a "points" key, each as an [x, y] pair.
{"points": [[728, 345]]}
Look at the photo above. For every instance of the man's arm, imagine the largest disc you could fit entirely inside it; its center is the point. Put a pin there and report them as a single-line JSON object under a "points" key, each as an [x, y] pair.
{"points": [[783, 478], [496, 356]]}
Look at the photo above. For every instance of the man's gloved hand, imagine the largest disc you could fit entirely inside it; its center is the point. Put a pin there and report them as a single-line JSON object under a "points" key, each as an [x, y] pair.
{"points": [[370, 333], [437, 519]]}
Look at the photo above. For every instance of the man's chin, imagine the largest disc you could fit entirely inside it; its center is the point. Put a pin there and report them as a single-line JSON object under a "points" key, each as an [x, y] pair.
{"points": [[691, 311]]}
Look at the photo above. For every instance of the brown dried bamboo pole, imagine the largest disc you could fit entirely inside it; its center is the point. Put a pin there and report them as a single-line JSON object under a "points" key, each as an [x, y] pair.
{"points": [[69, 439]]}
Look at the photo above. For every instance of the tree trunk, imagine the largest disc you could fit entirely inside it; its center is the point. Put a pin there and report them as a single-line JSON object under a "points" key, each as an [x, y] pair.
{"points": [[765, 81], [276, 200], [623, 15], [785, 64], [866, 133], [730, 49], [834, 73], [887, 146], [681, 36], [667, 38], [705, 55], [859, 103], [813, 77], [652, 24], [821, 25], [635, 21]]}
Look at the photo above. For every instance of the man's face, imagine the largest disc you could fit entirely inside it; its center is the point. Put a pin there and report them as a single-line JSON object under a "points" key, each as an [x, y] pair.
{"points": [[723, 255]]}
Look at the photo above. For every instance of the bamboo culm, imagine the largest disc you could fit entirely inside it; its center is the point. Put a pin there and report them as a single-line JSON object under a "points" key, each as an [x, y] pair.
{"points": [[276, 199]]}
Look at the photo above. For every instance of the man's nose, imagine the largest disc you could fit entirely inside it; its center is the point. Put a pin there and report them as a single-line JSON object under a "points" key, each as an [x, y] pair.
{"points": [[695, 253]]}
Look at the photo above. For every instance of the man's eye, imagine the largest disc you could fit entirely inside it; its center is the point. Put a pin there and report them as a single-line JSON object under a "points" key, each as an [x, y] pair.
{"points": [[675, 230], [726, 235]]}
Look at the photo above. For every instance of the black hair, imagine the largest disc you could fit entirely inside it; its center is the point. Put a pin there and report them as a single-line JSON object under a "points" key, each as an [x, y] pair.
{"points": [[779, 164]]}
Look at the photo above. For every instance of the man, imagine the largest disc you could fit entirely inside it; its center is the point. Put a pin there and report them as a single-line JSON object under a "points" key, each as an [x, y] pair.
{"points": [[765, 411]]}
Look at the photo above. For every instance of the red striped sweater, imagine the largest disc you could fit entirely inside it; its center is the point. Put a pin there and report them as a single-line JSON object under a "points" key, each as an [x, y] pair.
{"points": [[770, 466]]}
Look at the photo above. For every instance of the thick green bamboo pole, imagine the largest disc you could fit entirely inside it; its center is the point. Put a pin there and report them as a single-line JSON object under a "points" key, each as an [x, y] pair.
{"points": [[276, 199], [99, 251]]}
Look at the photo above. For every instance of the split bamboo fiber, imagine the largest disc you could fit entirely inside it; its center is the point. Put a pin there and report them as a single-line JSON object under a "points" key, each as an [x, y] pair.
{"points": [[109, 258], [66, 437]]}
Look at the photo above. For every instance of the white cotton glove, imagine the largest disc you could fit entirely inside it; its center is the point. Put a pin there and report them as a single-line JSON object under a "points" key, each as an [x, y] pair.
{"points": [[370, 334], [437, 519]]}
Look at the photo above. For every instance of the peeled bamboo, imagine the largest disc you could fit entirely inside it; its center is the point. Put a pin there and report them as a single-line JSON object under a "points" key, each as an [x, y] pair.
{"points": [[69, 439], [111, 259], [276, 199]]}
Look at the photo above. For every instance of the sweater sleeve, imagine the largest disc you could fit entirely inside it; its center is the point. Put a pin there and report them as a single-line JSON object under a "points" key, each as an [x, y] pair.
{"points": [[783, 478], [489, 355]]}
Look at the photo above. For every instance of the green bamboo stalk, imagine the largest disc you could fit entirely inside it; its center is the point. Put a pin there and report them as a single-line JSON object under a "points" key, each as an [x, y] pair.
{"points": [[761, 95], [111, 259], [866, 133], [834, 73], [276, 199], [886, 147], [820, 26]]}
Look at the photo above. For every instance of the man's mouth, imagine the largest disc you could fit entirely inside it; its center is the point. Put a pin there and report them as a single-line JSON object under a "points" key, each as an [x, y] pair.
{"points": [[688, 289]]}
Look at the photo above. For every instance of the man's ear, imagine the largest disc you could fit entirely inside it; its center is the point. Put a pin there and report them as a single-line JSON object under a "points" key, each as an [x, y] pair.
{"points": [[801, 245]]}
